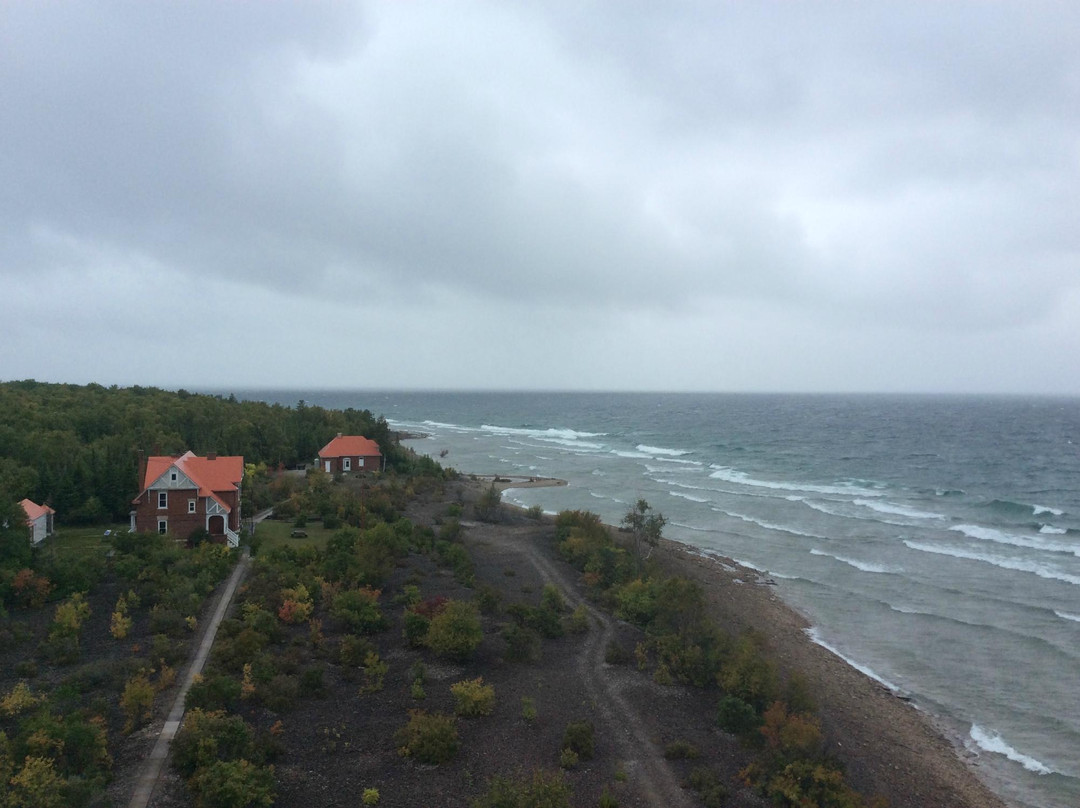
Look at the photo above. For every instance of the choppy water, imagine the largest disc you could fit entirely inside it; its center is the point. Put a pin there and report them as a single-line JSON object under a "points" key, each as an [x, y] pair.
{"points": [[933, 541]]}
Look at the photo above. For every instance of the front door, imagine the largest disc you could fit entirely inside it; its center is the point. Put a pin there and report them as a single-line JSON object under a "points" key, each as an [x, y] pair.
{"points": [[216, 526]]}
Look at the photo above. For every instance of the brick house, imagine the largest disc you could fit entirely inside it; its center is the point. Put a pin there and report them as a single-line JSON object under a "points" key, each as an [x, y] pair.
{"points": [[39, 518], [185, 493], [349, 453]]}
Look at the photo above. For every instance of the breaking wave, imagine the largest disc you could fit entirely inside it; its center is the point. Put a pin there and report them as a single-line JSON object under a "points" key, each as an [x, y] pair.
{"points": [[862, 566], [1005, 563], [741, 478], [992, 742], [815, 637]]}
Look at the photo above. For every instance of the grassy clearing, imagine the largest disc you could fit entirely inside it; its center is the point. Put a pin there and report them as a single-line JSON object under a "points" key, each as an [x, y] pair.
{"points": [[83, 541], [273, 533]]}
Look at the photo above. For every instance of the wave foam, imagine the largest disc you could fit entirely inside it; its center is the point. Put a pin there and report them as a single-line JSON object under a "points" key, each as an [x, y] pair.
{"points": [[862, 566], [897, 510], [815, 637], [690, 497], [741, 478], [1075, 618], [1001, 537], [992, 742], [767, 525], [660, 450], [1041, 509], [561, 437], [1050, 530], [1015, 564]]}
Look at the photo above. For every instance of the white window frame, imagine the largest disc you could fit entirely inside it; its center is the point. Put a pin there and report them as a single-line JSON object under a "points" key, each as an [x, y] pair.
{"points": [[191, 506], [346, 464], [162, 526], [359, 462], [162, 499]]}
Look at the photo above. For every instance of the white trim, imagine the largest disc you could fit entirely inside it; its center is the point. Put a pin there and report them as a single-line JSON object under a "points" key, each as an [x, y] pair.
{"points": [[346, 463], [191, 505], [162, 526], [162, 500]]}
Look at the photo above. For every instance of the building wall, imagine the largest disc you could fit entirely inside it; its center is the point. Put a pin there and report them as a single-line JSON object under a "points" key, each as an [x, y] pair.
{"points": [[337, 464], [181, 522]]}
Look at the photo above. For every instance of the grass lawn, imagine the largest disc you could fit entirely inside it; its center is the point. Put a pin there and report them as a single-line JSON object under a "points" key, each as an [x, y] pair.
{"points": [[87, 540], [274, 533]]}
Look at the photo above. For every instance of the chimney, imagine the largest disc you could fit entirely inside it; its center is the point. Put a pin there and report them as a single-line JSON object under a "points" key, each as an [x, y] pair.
{"points": [[211, 455], [142, 468], [339, 434]]}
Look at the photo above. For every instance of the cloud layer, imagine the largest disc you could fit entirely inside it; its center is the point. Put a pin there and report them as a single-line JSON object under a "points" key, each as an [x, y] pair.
{"points": [[827, 196]]}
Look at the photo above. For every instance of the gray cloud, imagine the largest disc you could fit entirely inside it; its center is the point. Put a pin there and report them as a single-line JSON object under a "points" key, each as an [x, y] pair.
{"points": [[896, 166]]}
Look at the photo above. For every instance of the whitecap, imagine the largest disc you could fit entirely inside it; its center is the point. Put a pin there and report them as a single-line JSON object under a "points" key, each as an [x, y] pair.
{"points": [[689, 468], [660, 450], [897, 510], [1000, 537], [767, 525], [815, 636], [1075, 618], [1053, 531], [741, 478], [1041, 509], [631, 455], [1016, 564], [862, 566], [690, 497], [992, 742]]}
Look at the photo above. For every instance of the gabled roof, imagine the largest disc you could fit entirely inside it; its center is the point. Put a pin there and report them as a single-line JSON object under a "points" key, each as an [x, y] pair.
{"points": [[350, 446], [211, 476], [35, 511]]}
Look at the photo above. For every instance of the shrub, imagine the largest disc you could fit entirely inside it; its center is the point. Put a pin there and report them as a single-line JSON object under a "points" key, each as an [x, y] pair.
{"points": [[528, 708], [568, 758], [371, 796], [69, 617], [522, 644], [473, 698], [353, 650], [535, 512], [30, 590], [19, 700], [280, 693], [428, 737], [607, 799], [736, 716], [488, 599], [374, 672], [137, 701], [488, 506], [167, 621], [579, 737], [37, 784], [456, 632], [217, 692], [296, 605], [359, 609], [681, 750], [207, 737], [578, 621], [615, 654], [233, 784], [540, 790], [415, 628]]}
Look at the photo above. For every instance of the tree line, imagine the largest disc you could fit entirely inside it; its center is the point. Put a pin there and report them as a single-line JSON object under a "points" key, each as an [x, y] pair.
{"points": [[76, 447]]}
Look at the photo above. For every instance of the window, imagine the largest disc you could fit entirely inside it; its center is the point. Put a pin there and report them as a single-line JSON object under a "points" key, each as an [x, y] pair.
{"points": [[359, 462], [163, 499], [346, 463], [173, 476], [191, 506], [162, 526]]}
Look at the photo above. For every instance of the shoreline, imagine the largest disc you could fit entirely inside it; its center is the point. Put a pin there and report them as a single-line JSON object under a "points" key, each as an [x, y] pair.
{"points": [[889, 745]]}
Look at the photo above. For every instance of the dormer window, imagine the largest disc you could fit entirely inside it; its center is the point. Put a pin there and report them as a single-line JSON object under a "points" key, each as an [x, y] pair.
{"points": [[163, 499]]}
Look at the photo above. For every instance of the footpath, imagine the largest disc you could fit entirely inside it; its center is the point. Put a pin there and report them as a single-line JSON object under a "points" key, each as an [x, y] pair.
{"points": [[144, 788]]}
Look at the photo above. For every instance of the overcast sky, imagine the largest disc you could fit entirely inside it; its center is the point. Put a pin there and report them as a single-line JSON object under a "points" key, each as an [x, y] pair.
{"points": [[566, 195]]}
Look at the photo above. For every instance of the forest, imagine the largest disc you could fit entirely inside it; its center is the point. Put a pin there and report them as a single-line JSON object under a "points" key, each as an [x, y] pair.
{"points": [[76, 448]]}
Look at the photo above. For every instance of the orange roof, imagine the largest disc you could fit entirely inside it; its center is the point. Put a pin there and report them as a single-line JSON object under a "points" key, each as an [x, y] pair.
{"points": [[219, 474], [350, 446], [35, 511]]}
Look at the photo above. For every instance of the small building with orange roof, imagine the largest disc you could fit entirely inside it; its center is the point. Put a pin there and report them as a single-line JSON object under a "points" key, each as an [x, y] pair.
{"points": [[39, 518], [350, 453], [182, 494]]}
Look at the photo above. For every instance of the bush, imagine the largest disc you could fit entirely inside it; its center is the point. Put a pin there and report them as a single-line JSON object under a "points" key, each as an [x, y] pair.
{"points": [[456, 632], [359, 609], [280, 693], [736, 716], [615, 654], [681, 750], [488, 506], [528, 708], [540, 790], [214, 693], [473, 698], [137, 701], [579, 738], [371, 796], [428, 737], [353, 650], [522, 644], [375, 671], [568, 758], [415, 628], [578, 621], [233, 784], [207, 737]]}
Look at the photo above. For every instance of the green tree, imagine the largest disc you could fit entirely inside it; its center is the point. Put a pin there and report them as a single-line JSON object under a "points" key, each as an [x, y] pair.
{"points": [[647, 527], [455, 632]]}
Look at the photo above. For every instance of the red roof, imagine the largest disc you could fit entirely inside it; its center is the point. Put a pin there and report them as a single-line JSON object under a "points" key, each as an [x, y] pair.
{"points": [[35, 511], [210, 475], [350, 446]]}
